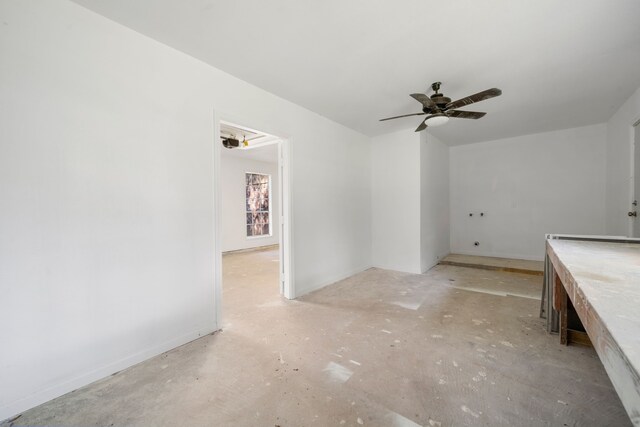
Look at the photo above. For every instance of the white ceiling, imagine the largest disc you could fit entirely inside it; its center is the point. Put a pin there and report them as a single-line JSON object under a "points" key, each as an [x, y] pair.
{"points": [[265, 153], [560, 64]]}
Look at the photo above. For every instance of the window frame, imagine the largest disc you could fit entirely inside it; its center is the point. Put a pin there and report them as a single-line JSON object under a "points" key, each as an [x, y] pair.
{"points": [[269, 212]]}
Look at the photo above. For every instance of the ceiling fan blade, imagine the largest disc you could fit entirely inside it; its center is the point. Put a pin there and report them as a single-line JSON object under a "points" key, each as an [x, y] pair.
{"points": [[405, 115], [422, 126], [424, 100], [465, 114], [480, 96]]}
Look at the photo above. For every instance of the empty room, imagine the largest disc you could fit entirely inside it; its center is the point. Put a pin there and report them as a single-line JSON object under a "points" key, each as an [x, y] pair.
{"points": [[319, 213]]}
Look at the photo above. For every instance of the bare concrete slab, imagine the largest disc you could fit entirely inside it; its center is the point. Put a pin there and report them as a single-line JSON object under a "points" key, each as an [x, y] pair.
{"points": [[489, 281], [381, 348]]}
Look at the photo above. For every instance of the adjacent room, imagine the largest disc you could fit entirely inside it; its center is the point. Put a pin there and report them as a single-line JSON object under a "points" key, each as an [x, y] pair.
{"points": [[251, 200], [296, 213]]}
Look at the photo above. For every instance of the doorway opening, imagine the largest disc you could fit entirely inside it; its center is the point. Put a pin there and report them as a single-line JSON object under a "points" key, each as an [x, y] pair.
{"points": [[634, 212], [252, 236]]}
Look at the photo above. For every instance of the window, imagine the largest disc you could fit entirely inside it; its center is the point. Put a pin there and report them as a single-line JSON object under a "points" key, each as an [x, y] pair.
{"points": [[258, 191]]}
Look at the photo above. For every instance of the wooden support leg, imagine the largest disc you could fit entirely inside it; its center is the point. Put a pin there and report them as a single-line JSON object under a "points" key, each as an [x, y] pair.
{"points": [[560, 304]]}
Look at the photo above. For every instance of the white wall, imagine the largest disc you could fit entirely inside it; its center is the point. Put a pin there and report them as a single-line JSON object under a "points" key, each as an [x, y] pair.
{"points": [[410, 201], [106, 254], [619, 165], [434, 200], [395, 201], [331, 199], [527, 186], [234, 224]]}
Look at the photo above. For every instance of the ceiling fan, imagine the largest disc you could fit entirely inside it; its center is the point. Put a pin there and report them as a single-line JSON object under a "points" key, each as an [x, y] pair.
{"points": [[439, 108]]}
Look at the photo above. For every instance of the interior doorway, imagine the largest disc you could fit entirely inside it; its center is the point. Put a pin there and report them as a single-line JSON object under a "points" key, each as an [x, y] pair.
{"points": [[252, 234], [635, 198]]}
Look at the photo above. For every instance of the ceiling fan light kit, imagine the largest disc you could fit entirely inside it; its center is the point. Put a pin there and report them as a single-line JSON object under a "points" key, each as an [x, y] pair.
{"points": [[438, 119], [439, 108]]}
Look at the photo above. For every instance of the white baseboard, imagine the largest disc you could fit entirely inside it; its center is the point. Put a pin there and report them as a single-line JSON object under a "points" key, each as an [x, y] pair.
{"points": [[20, 405], [253, 249]]}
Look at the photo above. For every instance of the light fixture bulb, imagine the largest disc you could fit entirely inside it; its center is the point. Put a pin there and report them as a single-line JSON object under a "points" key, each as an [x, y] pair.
{"points": [[437, 120]]}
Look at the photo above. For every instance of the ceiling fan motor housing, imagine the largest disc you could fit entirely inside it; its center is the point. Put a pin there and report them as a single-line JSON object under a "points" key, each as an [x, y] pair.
{"points": [[440, 100]]}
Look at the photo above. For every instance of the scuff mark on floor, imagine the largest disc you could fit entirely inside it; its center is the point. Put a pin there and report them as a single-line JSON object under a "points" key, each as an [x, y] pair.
{"points": [[469, 411], [337, 372]]}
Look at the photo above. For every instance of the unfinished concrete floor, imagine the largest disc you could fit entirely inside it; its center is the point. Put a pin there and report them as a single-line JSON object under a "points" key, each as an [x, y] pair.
{"points": [[381, 348]]}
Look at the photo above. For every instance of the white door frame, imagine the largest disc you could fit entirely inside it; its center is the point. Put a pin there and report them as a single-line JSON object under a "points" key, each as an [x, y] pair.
{"points": [[286, 220], [287, 287], [635, 136]]}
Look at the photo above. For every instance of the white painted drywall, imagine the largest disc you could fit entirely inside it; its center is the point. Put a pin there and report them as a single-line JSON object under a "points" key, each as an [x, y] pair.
{"points": [[527, 186], [395, 201], [434, 200], [619, 165], [234, 223], [106, 218], [331, 204], [410, 201]]}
